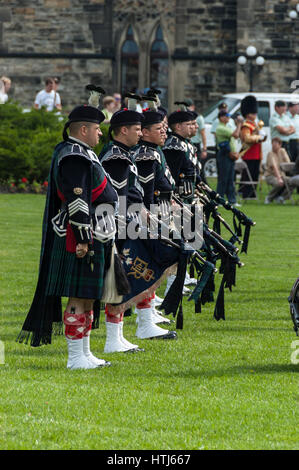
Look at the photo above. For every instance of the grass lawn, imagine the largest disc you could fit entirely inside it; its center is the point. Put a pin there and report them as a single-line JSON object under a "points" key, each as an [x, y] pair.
{"points": [[221, 385]]}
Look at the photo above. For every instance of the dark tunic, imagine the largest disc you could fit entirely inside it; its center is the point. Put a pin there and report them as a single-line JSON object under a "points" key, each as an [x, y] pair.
{"points": [[154, 174], [181, 158], [146, 260], [117, 160], [77, 186]]}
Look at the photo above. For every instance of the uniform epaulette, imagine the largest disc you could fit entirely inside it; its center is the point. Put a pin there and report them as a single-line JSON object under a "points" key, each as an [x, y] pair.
{"points": [[174, 143], [114, 152], [249, 125], [73, 149], [146, 153]]}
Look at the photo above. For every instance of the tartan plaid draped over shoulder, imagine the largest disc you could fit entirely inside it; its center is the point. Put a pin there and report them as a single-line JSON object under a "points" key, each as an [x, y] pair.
{"points": [[77, 184], [180, 157], [153, 172]]}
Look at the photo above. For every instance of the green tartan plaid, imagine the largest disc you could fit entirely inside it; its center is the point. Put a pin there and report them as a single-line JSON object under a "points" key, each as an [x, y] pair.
{"points": [[97, 177], [70, 276]]}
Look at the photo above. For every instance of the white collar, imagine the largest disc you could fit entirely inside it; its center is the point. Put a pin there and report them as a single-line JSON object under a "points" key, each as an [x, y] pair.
{"points": [[80, 142]]}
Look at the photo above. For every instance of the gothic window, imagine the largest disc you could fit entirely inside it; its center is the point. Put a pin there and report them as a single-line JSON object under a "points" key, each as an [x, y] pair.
{"points": [[159, 66], [129, 62]]}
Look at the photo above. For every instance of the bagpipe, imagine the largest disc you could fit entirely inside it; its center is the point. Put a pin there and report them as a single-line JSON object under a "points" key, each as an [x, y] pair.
{"points": [[147, 259], [211, 200], [214, 246], [156, 247], [160, 247], [157, 251]]}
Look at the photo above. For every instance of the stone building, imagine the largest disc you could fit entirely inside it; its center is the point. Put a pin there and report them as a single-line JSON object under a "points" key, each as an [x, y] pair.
{"points": [[188, 48]]}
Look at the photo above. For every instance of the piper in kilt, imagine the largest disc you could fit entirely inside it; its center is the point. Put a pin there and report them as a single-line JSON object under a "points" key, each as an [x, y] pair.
{"points": [[180, 154], [182, 160], [117, 159], [74, 258], [156, 180]]}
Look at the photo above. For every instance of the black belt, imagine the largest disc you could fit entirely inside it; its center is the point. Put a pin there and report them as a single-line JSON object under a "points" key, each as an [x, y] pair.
{"points": [[294, 140]]}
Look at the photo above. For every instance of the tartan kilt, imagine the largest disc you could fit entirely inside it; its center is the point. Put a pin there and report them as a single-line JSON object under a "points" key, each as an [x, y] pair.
{"points": [[69, 276]]}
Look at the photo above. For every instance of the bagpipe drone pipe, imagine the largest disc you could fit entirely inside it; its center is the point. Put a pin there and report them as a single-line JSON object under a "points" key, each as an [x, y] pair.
{"points": [[211, 201], [148, 259], [214, 248]]}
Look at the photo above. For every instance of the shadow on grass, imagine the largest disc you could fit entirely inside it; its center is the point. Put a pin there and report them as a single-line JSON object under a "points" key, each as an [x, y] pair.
{"points": [[249, 329], [42, 351], [249, 369]]}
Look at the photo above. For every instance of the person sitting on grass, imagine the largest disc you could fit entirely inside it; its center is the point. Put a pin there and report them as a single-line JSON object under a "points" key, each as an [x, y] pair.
{"points": [[276, 177]]}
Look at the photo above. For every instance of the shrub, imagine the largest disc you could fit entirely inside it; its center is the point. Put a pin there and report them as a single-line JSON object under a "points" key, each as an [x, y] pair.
{"points": [[27, 141]]}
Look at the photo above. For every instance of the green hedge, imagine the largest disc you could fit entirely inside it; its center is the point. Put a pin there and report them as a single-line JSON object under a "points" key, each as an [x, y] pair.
{"points": [[27, 141]]}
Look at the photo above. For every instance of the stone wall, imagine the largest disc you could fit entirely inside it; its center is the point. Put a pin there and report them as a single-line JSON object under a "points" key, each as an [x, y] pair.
{"points": [[74, 73], [54, 27], [206, 28], [267, 26], [203, 39], [189, 27]]}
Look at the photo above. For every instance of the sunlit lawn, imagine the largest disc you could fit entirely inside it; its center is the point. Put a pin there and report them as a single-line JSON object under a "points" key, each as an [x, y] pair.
{"points": [[222, 385]]}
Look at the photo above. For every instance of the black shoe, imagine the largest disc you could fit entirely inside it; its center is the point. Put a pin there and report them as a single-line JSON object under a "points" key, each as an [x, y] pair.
{"points": [[169, 335], [134, 350], [106, 364]]}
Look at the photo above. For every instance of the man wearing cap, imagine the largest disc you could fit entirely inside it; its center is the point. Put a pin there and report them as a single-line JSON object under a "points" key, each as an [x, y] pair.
{"points": [[158, 184], [293, 113], [72, 262], [182, 160], [180, 153], [231, 123], [153, 172], [116, 158], [281, 125], [226, 156]]}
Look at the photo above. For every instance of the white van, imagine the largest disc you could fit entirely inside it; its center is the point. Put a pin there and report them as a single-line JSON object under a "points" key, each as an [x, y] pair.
{"points": [[266, 102]]}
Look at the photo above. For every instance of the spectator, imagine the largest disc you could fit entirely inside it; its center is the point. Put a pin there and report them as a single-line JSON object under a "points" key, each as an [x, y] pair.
{"points": [[251, 151], [117, 98], [275, 176], [295, 175], [109, 104], [57, 99], [200, 138], [231, 122], [190, 104], [226, 156], [5, 84], [138, 103], [46, 97], [293, 110], [281, 125]]}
